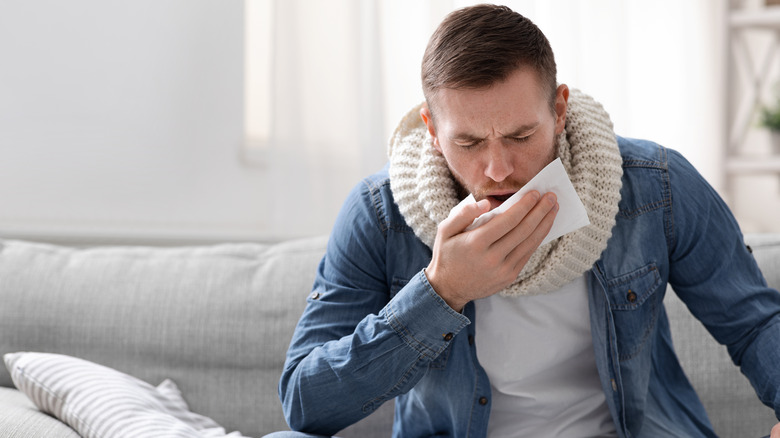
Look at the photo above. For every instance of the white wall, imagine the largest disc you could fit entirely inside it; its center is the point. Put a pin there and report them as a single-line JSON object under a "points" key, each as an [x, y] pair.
{"points": [[124, 120]]}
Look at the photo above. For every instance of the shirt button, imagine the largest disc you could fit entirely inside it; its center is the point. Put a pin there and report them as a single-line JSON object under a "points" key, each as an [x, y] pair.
{"points": [[315, 295], [471, 340], [614, 385], [448, 337], [631, 296], [483, 401]]}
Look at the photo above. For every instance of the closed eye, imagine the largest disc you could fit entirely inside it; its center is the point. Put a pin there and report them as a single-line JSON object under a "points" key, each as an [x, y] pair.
{"points": [[520, 139], [469, 144]]}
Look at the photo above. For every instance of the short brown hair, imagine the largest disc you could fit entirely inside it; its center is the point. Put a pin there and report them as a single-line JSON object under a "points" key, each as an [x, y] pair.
{"points": [[480, 45]]}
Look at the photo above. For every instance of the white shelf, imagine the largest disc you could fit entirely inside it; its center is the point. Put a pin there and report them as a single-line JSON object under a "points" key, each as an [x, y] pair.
{"points": [[743, 165], [767, 18], [754, 71]]}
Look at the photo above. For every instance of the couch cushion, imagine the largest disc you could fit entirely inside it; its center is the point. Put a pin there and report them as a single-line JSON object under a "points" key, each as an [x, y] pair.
{"points": [[19, 418], [216, 320]]}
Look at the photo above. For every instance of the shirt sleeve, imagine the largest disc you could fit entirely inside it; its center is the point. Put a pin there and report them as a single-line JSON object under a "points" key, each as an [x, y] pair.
{"points": [[354, 344], [717, 277]]}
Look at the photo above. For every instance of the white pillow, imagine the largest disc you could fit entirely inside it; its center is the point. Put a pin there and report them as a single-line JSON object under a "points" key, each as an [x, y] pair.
{"points": [[100, 402]]}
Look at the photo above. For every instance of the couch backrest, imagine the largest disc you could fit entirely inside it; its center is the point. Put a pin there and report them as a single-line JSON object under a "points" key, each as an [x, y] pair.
{"points": [[730, 400]]}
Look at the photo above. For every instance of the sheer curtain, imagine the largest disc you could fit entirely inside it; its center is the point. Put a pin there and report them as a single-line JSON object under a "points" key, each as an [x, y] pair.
{"points": [[344, 71]]}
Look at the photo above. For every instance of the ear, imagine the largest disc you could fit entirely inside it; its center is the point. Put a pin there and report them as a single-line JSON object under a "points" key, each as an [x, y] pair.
{"points": [[561, 104], [427, 118]]}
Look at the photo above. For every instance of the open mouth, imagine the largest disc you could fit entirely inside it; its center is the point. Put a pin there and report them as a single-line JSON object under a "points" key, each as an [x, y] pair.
{"points": [[501, 198]]}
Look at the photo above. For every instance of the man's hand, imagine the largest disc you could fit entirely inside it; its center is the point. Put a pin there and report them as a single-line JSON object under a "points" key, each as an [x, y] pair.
{"points": [[775, 431], [475, 264]]}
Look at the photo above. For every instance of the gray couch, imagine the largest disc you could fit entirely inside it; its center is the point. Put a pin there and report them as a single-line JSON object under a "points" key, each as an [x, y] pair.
{"points": [[217, 321]]}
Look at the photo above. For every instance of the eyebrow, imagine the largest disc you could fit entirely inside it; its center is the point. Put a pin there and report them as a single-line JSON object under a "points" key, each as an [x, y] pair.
{"points": [[522, 130], [466, 137], [515, 133]]}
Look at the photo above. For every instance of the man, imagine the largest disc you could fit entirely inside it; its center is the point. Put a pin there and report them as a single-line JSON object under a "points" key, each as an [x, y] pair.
{"points": [[485, 332]]}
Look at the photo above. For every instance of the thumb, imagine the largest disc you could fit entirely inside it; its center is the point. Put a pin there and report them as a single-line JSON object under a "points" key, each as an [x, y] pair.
{"points": [[462, 216]]}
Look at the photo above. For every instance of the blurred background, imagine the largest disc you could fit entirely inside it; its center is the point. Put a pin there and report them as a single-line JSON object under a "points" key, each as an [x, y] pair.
{"points": [[196, 121]]}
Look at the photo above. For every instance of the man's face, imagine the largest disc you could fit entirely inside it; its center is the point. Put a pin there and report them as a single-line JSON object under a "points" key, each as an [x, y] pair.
{"points": [[496, 139]]}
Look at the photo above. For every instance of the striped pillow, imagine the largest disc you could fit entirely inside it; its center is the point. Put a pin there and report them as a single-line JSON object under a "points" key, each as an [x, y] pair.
{"points": [[98, 401]]}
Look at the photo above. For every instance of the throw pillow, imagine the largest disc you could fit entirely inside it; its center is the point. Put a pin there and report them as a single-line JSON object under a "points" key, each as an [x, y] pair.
{"points": [[100, 402]]}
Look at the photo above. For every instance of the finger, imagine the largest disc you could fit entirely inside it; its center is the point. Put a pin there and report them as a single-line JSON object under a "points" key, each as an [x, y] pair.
{"points": [[505, 222], [462, 217], [527, 226], [523, 251]]}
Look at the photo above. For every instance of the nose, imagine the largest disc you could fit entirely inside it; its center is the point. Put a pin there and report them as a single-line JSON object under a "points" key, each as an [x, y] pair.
{"points": [[499, 162]]}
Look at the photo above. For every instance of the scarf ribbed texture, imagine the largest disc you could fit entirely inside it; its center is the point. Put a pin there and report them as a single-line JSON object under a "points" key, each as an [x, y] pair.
{"points": [[425, 191]]}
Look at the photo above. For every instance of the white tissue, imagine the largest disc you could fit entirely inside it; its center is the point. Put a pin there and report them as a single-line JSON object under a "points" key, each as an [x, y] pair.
{"points": [[553, 178]]}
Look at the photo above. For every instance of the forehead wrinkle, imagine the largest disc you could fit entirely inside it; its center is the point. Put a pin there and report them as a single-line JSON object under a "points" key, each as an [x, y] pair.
{"points": [[463, 119]]}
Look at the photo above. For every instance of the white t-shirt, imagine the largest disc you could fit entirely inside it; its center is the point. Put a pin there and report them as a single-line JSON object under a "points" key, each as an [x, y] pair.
{"points": [[538, 353]]}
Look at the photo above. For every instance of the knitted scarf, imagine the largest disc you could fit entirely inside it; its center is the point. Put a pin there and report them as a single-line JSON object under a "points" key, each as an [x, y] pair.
{"points": [[425, 191]]}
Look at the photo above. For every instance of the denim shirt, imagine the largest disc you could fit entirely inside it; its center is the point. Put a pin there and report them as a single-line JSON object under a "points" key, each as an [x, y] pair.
{"points": [[375, 330]]}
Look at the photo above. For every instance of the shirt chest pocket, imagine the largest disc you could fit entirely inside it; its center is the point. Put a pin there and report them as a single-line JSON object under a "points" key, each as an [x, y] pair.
{"points": [[635, 304]]}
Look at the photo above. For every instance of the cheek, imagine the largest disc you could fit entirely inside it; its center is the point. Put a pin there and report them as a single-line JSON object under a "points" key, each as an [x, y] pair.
{"points": [[545, 149], [462, 165]]}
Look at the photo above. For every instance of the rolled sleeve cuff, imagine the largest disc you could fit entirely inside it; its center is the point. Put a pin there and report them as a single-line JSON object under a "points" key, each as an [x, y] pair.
{"points": [[422, 318]]}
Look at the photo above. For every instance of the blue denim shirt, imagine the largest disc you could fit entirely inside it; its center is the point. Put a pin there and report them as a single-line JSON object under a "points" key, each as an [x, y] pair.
{"points": [[375, 330]]}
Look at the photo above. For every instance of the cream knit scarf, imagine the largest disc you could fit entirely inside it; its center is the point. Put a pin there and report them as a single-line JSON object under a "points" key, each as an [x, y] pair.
{"points": [[425, 191]]}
